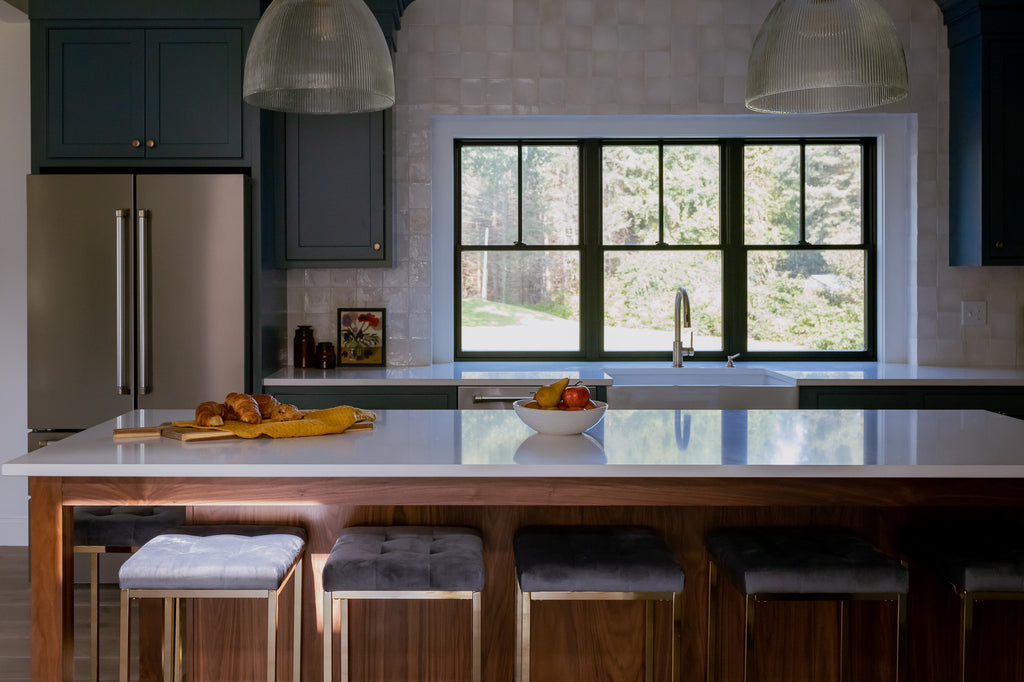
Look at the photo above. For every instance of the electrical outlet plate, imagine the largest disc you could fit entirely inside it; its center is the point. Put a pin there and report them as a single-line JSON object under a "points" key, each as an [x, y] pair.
{"points": [[972, 313]]}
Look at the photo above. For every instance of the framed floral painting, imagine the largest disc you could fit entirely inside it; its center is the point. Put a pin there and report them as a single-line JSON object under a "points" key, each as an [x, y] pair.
{"points": [[361, 337]]}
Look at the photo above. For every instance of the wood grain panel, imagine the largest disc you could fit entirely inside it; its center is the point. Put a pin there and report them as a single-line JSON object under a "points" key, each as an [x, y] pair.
{"points": [[733, 492], [51, 562], [583, 642]]}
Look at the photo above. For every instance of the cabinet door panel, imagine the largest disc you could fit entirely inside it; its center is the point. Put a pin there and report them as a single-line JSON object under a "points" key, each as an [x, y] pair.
{"points": [[1004, 175], [96, 93], [335, 187], [194, 99]]}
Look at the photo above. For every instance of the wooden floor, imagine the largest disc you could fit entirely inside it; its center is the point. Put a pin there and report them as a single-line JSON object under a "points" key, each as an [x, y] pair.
{"points": [[15, 628]]}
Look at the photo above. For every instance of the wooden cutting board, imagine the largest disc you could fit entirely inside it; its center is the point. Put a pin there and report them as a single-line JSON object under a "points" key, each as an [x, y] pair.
{"points": [[188, 434]]}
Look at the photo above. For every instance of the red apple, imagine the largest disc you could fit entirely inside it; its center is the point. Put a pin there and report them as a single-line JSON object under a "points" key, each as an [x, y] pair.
{"points": [[576, 396]]}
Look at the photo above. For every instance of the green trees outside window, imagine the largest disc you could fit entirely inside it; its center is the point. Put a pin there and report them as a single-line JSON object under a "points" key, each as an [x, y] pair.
{"points": [[575, 248]]}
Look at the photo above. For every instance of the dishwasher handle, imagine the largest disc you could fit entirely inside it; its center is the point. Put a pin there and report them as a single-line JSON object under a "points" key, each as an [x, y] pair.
{"points": [[477, 398]]}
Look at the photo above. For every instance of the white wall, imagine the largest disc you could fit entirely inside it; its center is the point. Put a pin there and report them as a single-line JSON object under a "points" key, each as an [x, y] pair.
{"points": [[642, 57], [15, 163]]}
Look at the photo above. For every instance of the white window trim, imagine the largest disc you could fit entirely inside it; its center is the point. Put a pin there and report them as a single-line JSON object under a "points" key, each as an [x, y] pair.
{"points": [[897, 194]]}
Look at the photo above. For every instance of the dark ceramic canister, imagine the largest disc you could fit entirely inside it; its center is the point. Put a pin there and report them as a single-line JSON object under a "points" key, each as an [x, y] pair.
{"points": [[325, 357], [304, 347]]}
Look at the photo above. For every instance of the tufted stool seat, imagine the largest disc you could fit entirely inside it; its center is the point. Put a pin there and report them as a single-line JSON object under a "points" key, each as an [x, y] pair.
{"points": [[822, 563], [103, 530], [595, 563], [401, 562], [217, 561], [980, 562]]}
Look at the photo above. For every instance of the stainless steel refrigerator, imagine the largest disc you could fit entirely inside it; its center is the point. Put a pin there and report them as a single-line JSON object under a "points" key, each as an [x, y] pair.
{"points": [[136, 294]]}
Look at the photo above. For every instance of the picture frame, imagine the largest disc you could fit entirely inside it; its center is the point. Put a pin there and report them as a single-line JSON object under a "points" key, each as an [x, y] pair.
{"points": [[362, 337]]}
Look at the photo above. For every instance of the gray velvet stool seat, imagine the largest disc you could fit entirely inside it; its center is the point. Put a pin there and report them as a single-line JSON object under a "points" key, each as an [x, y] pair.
{"points": [[103, 530], [401, 562], [596, 563], [217, 561], [802, 563], [981, 562]]}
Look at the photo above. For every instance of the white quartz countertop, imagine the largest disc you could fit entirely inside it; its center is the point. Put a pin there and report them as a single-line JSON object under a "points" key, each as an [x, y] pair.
{"points": [[627, 443], [530, 373]]}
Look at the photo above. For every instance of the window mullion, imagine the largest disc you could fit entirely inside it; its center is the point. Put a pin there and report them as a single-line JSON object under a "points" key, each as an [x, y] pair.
{"points": [[591, 251], [734, 260]]}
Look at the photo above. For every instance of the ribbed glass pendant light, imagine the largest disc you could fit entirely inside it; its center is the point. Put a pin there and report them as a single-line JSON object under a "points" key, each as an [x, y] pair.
{"points": [[823, 56], [319, 57]]}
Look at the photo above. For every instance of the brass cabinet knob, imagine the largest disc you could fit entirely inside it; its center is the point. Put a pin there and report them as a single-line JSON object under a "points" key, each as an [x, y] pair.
{"points": [[136, 143], [999, 245], [150, 143], [376, 246]]}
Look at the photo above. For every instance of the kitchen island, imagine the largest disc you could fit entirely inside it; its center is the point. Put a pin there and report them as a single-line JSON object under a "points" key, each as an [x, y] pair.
{"points": [[679, 471]]}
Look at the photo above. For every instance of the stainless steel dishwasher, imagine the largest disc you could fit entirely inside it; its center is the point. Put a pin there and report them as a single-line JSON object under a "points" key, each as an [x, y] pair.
{"points": [[493, 397]]}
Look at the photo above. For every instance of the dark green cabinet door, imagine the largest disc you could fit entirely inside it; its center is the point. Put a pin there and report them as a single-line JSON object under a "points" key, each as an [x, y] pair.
{"points": [[370, 397], [336, 190], [96, 93], [144, 93], [194, 93]]}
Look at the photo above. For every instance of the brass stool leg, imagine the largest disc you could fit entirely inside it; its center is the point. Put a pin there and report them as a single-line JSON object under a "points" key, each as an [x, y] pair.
{"points": [[477, 621], [523, 661], [94, 616], [712, 614], [344, 646], [677, 635], [328, 627], [749, 659], [171, 641], [271, 635], [901, 635], [297, 623], [844, 674], [648, 640], [966, 634], [124, 644]]}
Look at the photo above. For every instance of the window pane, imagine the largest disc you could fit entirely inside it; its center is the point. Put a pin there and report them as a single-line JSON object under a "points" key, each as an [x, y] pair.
{"points": [[639, 298], [490, 202], [630, 194], [771, 200], [833, 194], [551, 195], [692, 214], [520, 301], [806, 300]]}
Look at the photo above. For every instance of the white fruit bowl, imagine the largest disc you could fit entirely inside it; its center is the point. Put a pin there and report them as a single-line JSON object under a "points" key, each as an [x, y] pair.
{"points": [[559, 422]]}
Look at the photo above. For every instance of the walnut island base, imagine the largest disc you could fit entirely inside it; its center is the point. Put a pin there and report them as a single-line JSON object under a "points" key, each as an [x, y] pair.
{"points": [[250, 483]]}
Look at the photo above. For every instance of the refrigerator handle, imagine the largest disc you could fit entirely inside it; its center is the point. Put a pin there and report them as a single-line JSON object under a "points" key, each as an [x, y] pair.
{"points": [[121, 286], [142, 270]]}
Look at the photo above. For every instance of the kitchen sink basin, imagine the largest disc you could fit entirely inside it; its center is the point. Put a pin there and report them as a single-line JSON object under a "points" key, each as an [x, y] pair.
{"points": [[697, 376], [719, 388]]}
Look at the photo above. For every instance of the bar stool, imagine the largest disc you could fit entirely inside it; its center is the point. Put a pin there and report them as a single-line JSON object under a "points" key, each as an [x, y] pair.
{"points": [[802, 563], [106, 530], [596, 563], [401, 562], [980, 562], [223, 561]]}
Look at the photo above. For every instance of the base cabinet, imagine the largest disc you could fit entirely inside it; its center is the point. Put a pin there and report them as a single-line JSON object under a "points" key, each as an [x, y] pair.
{"points": [[1007, 400], [368, 397]]}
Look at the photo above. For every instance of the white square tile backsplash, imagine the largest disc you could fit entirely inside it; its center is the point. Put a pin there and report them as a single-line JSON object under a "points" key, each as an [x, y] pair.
{"points": [[600, 57]]}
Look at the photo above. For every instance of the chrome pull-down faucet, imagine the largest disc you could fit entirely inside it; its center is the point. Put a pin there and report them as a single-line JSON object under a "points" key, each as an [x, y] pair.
{"points": [[678, 349]]}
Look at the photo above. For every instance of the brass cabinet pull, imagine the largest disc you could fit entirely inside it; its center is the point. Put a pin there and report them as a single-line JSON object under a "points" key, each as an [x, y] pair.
{"points": [[150, 143], [136, 143], [376, 246], [999, 245]]}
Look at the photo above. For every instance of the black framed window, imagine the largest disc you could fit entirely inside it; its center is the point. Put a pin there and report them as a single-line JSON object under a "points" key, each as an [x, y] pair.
{"points": [[576, 248]]}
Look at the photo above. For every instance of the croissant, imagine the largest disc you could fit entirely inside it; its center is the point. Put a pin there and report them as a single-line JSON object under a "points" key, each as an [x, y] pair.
{"points": [[273, 410], [242, 407], [210, 414]]}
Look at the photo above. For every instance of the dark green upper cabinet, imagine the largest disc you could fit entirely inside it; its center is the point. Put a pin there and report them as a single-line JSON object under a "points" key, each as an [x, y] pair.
{"points": [[986, 58], [136, 93], [141, 83], [337, 190]]}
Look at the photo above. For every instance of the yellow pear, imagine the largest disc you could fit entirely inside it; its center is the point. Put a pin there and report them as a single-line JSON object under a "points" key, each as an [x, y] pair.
{"points": [[548, 396]]}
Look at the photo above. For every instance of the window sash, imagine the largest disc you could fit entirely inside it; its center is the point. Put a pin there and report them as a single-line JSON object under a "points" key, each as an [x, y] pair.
{"points": [[734, 252]]}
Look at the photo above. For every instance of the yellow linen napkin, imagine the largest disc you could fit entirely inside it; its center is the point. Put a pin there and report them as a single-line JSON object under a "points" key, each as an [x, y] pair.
{"points": [[313, 423]]}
